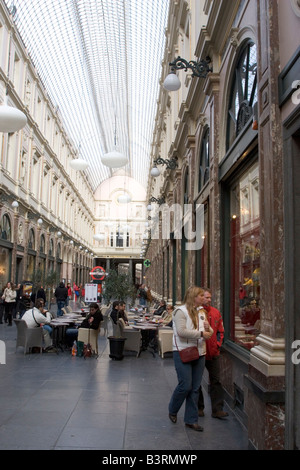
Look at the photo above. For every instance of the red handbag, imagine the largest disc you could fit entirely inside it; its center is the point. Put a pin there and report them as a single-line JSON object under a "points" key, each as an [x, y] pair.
{"points": [[189, 354]]}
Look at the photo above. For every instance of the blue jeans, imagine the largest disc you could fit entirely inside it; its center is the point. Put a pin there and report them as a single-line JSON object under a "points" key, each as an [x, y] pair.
{"points": [[60, 305], [189, 376]]}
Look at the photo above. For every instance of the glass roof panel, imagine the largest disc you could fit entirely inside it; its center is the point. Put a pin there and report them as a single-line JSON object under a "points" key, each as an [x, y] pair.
{"points": [[100, 61]]}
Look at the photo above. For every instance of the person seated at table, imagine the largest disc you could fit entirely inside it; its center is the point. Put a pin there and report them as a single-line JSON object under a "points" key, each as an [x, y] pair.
{"points": [[161, 308], [166, 318], [93, 320], [122, 313], [114, 314], [37, 317]]}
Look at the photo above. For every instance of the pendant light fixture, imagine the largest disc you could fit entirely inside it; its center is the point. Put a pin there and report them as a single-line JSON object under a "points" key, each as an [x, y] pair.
{"points": [[124, 199], [114, 159], [11, 119], [79, 164]]}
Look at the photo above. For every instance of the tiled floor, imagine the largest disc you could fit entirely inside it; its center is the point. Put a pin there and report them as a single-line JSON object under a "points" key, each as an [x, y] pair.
{"points": [[58, 402]]}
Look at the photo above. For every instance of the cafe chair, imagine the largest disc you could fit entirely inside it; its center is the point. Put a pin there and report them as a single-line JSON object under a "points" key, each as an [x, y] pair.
{"points": [[69, 309], [88, 335], [64, 311], [28, 337], [165, 341], [133, 337]]}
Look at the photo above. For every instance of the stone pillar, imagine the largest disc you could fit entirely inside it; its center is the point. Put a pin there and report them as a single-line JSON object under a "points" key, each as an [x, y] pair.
{"points": [[212, 90], [265, 380]]}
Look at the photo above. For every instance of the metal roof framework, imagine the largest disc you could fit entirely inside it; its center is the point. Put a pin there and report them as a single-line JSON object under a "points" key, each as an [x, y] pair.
{"points": [[100, 62]]}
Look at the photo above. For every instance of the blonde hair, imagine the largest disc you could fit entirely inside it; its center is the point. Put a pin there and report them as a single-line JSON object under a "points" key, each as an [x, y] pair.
{"points": [[189, 302]]}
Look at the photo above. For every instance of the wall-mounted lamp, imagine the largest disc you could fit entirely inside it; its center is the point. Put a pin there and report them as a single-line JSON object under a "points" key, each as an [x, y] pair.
{"points": [[14, 204], [40, 221], [200, 69], [59, 234], [171, 164], [159, 201]]}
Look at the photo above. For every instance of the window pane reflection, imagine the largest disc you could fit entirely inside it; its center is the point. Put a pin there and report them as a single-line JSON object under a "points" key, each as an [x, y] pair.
{"points": [[245, 259]]}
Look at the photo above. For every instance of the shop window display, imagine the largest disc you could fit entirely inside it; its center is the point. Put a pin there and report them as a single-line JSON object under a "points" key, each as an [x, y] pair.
{"points": [[245, 258]]}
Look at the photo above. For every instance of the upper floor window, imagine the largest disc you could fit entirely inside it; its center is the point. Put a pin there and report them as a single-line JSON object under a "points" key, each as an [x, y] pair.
{"points": [[5, 228], [243, 93], [42, 244], [31, 239], [204, 161]]}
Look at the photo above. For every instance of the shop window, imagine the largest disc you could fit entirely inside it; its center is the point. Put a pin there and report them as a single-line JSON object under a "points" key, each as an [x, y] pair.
{"points": [[245, 258], [5, 257], [5, 228], [243, 93], [204, 161]]}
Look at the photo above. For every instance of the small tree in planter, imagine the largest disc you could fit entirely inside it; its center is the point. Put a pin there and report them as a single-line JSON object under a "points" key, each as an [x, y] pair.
{"points": [[117, 287], [51, 281]]}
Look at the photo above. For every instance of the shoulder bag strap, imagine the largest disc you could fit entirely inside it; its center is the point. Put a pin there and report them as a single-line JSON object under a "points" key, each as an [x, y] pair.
{"points": [[187, 338], [35, 319]]}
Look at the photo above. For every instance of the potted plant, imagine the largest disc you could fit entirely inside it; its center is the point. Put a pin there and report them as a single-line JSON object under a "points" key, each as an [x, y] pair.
{"points": [[117, 287]]}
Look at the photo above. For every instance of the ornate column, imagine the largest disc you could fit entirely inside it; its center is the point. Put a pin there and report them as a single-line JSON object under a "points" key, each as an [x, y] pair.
{"points": [[212, 90], [267, 360]]}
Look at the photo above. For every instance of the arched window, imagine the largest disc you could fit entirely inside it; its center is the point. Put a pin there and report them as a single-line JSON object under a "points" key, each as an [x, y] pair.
{"points": [[31, 239], [243, 93], [51, 247], [204, 161], [42, 244], [5, 228]]}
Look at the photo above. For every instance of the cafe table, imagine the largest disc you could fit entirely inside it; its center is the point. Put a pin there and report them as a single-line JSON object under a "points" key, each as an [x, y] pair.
{"points": [[59, 326], [146, 327]]}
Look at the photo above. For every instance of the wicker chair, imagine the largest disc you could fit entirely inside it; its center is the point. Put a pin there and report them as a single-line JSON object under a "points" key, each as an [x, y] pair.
{"points": [[133, 337], [88, 335], [28, 337], [165, 340]]}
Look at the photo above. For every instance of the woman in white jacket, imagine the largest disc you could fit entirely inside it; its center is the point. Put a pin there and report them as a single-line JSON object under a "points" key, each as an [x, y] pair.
{"points": [[9, 297], [190, 328]]}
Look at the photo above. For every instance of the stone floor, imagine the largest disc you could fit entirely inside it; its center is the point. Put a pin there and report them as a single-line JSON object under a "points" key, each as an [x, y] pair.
{"points": [[60, 402]]}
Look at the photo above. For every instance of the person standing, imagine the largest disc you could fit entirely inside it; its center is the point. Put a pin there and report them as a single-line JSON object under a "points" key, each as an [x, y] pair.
{"points": [[61, 294], [212, 362], [142, 295], [190, 328], [9, 297]]}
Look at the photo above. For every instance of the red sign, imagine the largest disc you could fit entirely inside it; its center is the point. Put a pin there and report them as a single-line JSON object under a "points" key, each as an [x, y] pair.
{"points": [[96, 272]]}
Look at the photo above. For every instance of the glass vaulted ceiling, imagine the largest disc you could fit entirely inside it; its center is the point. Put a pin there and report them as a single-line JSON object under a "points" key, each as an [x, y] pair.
{"points": [[100, 61]]}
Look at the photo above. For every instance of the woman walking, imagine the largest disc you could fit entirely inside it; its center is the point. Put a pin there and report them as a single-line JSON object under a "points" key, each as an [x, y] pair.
{"points": [[9, 297], [190, 328]]}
